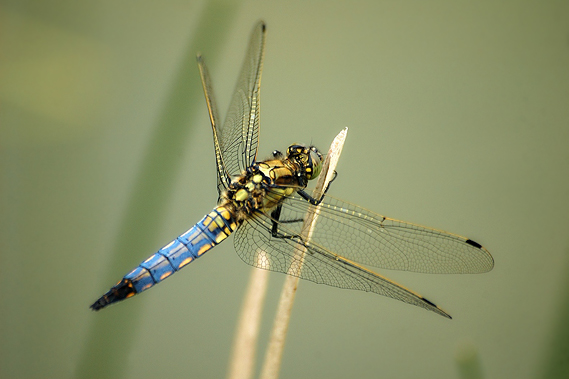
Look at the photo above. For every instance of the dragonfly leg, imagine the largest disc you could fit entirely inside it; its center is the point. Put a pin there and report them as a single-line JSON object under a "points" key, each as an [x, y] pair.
{"points": [[275, 216], [312, 200]]}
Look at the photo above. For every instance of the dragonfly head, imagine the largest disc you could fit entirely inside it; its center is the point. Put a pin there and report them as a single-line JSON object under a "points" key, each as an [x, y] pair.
{"points": [[309, 158]]}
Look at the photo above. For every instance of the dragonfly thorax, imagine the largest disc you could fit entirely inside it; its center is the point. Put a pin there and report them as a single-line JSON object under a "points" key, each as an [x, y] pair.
{"points": [[266, 184]]}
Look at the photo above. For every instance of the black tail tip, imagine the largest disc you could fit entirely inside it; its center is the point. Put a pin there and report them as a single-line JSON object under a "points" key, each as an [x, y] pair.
{"points": [[123, 290], [99, 304]]}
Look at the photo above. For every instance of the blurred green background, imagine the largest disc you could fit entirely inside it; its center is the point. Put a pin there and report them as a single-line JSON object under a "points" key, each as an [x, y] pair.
{"points": [[459, 119]]}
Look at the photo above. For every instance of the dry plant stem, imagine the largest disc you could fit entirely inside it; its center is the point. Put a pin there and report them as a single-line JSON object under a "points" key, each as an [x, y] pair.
{"points": [[242, 360], [273, 356]]}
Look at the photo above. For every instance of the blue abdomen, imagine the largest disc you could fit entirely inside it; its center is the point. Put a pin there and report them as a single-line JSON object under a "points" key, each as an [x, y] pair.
{"points": [[208, 232]]}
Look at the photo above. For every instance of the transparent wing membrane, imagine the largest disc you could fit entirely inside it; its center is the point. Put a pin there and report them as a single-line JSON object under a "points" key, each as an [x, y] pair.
{"points": [[311, 261], [223, 176], [240, 133], [346, 236], [375, 240], [237, 140]]}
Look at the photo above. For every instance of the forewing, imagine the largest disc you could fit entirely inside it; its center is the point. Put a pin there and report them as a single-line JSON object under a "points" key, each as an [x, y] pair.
{"points": [[223, 175], [375, 240], [309, 260], [239, 136], [236, 142]]}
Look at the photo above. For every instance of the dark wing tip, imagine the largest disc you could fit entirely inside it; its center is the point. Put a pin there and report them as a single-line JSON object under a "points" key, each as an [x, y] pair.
{"points": [[474, 243], [263, 25], [488, 258], [437, 309]]}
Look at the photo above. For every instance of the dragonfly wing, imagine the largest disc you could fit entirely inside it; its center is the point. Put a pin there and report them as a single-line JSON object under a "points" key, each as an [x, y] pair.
{"points": [[257, 247], [375, 240], [223, 175], [240, 133], [236, 141]]}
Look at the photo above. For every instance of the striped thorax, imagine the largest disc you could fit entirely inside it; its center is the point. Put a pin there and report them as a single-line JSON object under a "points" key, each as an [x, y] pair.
{"points": [[266, 184]]}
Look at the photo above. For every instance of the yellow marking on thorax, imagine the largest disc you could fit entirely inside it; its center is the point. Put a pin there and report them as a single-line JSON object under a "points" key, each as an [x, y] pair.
{"points": [[241, 195], [265, 169], [279, 172]]}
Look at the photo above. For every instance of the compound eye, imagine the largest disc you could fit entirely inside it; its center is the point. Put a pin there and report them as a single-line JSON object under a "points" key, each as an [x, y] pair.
{"points": [[314, 166]]}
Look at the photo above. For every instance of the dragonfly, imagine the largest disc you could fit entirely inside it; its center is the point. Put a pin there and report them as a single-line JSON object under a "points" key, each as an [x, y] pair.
{"points": [[264, 203]]}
